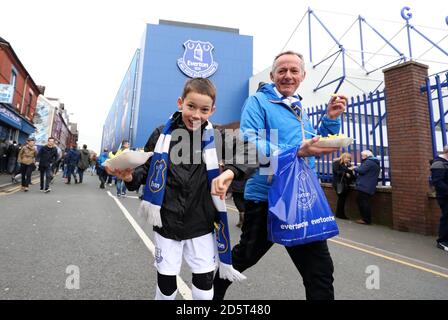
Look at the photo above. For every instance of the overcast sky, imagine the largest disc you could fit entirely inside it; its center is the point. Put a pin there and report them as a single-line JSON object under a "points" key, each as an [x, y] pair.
{"points": [[80, 50]]}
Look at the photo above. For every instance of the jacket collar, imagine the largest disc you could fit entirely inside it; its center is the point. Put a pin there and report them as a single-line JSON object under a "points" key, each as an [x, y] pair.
{"points": [[271, 91]]}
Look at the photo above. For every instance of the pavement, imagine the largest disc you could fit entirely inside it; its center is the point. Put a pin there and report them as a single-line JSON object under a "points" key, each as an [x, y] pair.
{"points": [[79, 229], [6, 179]]}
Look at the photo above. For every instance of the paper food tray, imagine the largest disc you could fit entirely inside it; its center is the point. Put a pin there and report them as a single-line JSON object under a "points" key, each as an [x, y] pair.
{"points": [[334, 143], [128, 160]]}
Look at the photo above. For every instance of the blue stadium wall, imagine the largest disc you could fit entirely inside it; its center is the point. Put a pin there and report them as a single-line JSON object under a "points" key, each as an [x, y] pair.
{"points": [[117, 125], [160, 80]]}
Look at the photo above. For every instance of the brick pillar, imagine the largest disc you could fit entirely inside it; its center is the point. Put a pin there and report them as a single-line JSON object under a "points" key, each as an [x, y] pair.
{"points": [[409, 139]]}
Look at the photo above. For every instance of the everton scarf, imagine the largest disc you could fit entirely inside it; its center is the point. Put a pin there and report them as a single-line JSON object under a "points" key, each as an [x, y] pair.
{"points": [[155, 189]]}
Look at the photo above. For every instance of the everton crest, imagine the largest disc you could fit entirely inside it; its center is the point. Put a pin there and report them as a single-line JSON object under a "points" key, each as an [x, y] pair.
{"points": [[157, 180], [197, 61], [306, 197]]}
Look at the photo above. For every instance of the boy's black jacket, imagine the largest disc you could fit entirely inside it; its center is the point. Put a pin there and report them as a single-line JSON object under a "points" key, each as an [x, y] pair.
{"points": [[187, 211]]}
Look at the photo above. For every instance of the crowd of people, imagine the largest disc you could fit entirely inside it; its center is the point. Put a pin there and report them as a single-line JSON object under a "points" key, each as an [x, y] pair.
{"points": [[364, 178], [21, 161]]}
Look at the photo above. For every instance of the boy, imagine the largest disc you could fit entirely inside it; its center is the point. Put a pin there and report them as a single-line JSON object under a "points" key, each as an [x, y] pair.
{"points": [[184, 215]]}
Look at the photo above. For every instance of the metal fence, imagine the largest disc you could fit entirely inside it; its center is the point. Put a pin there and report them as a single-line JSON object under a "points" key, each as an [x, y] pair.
{"points": [[365, 121], [437, 88]]}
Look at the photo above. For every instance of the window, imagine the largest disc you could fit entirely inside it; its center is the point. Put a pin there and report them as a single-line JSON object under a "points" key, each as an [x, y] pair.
{"points": [[14, 78], [28, 105]]}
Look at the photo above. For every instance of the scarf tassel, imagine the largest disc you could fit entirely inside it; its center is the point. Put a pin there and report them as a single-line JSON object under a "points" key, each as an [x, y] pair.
{"points": [[150, 212], [226, 271]]}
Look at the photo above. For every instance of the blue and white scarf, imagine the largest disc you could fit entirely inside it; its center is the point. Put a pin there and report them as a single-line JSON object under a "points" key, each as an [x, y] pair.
{"points": [[155, 189]]}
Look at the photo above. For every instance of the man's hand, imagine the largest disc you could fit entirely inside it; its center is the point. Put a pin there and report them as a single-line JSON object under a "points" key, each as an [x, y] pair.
{"points": [[122, 174], [221, 184], [336, 106], [307, 149]]}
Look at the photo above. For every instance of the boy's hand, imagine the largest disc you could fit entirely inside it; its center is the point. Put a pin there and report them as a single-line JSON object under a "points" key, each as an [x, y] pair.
{"points": [[308, 149], [122, 174], [221, 183]]}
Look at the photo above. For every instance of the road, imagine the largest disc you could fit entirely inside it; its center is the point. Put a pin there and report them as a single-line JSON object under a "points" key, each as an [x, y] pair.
{"points": [[81, 242]]}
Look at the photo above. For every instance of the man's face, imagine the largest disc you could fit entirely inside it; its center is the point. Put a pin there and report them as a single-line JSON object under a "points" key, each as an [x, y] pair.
{"points": [[196, 109], [288, 74], [126, 145], [31, 143], [51, 143]]}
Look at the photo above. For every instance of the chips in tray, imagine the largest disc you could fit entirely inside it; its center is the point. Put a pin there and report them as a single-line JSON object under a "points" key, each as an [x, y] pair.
{"points": [[334, 141], [128, 160]]}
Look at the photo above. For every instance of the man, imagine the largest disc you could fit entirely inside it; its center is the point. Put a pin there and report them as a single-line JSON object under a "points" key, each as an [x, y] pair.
{"points": [[102, 173], [27, 158], [439, 177], [84, 162], [47, 156], [71, 160], [3, 155], [276, 107], [366, 181], [13, 153]]}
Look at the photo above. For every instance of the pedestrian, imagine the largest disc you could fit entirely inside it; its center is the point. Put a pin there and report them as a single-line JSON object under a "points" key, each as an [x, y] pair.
{"points": [[83, 162], [57, 164], [112, 178], [47, 157], [27, 159], [92, 163], [12, 154], [439, 178], [178, 192], [3, 156], [101, 171], [71, 161], [277, 110], [343, 176], [64, 165], [121, 187], [366, 182]]}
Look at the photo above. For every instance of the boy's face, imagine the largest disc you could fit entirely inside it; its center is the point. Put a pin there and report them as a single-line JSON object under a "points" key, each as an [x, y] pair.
{"points": [[196, 109]]}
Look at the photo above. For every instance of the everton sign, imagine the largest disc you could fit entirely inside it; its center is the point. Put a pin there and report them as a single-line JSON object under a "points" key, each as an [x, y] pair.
{"points": [[197, 61]]}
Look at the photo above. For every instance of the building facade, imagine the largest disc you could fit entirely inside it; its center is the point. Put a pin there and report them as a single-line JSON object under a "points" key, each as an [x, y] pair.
{"points": [[18, 96], [170, 53]]}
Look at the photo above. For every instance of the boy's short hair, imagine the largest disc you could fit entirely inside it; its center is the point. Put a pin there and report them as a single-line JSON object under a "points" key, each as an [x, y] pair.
{"points": [[201, 86]]}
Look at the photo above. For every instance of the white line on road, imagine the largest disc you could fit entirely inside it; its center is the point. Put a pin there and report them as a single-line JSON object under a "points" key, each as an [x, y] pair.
{"points": [[184, 290]]}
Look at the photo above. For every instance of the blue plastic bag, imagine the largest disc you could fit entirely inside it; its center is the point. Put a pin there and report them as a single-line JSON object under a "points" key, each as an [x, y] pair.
{"points": [[299, 212]]}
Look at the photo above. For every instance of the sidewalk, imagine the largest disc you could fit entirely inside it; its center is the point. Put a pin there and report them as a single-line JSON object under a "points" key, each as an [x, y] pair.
{"points": [[5, 179]]}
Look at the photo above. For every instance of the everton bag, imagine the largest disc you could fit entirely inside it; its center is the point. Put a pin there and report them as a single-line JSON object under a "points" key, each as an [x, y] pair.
{"points": [[299, 212]]}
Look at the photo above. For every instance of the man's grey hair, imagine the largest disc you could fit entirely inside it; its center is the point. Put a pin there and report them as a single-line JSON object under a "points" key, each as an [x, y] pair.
{"points": [[367, 153], [445, 149], [302, 61]]}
